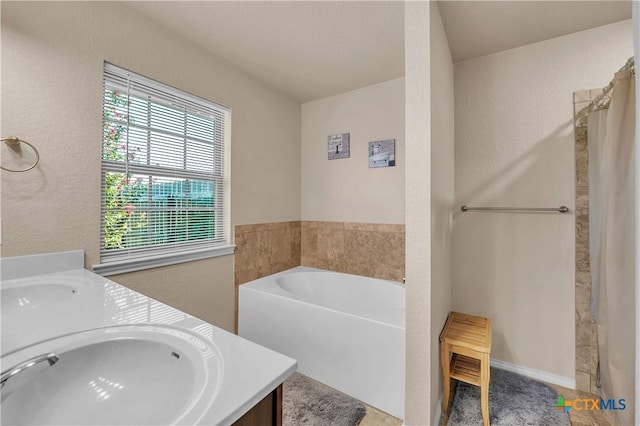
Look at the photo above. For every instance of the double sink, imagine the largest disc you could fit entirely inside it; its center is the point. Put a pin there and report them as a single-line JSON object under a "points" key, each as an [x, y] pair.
{"points": [[79, 349]]}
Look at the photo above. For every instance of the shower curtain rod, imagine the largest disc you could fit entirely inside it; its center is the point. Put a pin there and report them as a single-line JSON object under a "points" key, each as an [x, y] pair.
{"points": [[630, 65]]}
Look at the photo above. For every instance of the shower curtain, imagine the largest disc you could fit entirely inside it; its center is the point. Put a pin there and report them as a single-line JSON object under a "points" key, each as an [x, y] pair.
{"points": [[612, 172]]}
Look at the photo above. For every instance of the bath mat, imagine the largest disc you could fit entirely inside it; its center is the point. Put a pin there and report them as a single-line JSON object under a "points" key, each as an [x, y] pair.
{"points": [[513, 400], [308, 402]]}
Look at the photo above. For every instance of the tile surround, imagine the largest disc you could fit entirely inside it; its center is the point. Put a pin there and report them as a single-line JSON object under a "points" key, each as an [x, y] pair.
{"points": [[369, 249], [263, 249], [586, 331]]}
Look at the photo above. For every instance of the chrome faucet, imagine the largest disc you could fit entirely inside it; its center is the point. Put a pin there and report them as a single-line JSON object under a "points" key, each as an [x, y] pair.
{"points": [[51, 358]]}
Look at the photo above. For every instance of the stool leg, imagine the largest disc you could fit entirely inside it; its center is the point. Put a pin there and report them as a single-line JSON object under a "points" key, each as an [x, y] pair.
{"points": [[446, 382], [484, 388]]}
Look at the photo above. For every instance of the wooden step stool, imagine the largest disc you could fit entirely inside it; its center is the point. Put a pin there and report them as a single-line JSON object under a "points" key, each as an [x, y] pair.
{"points": [[465, 343]]}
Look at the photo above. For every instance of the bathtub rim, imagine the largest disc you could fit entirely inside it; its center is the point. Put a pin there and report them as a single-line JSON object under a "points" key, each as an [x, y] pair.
{"points": [[265, 285]]}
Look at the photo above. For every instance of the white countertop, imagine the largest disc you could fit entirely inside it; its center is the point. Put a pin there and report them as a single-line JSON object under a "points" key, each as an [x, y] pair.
{"points": [[250, 371]]}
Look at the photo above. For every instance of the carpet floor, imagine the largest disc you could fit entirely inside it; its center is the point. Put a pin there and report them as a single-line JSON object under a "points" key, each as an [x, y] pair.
{"points": [[308, 402], [513, 400]]}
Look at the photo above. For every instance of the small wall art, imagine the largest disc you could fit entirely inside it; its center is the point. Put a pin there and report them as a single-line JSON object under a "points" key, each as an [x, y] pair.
{"points": [[382, 153], [338, 146]]}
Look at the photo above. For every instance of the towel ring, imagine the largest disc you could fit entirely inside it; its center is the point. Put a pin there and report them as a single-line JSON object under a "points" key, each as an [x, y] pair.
{"points": [[15, 141]]}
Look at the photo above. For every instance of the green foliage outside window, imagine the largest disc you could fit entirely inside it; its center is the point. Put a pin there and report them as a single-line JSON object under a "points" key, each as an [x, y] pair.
{"points": [[144, 210], [120, 193]]}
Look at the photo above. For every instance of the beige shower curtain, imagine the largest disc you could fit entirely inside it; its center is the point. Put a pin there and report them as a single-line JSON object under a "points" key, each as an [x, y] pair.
{"points": [[612, 242]]}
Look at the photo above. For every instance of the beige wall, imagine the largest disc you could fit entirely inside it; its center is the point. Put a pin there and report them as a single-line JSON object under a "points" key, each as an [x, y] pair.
{"points": [[418, 397], [515, 147], [442, 158], [347, 190], [52, 58]]}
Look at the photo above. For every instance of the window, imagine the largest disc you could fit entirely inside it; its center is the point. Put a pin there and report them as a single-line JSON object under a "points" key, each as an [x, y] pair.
{"points": [[165, 169]]}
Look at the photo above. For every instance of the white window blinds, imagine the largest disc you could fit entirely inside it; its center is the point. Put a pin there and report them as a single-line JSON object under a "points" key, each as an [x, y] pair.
{"points": [[165, 169]]}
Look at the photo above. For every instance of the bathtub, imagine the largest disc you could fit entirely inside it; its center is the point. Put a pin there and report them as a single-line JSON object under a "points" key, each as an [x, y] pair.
{"points": [[346, 331]]}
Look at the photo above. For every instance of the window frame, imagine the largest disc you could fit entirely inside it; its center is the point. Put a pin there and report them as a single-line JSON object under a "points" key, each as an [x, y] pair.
{"points": [[122, 260]]}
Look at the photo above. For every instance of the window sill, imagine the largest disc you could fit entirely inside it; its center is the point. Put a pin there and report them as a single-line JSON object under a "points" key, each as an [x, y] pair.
{"points": [[124, 266]]}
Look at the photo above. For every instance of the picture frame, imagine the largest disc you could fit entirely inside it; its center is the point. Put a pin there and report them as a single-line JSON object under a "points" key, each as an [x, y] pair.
{"points": [[338, 146], [382, 153]]}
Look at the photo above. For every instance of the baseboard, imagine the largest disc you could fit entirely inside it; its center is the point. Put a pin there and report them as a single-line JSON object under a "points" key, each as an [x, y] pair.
{"points": [[532, 373]]}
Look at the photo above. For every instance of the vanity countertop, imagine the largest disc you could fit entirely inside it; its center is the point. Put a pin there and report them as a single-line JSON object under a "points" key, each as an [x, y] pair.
{"points": [[250, 371]]}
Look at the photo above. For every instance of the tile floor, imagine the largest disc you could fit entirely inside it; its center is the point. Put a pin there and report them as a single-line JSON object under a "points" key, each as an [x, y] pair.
{"points": [[582, 418], [375, 417]]}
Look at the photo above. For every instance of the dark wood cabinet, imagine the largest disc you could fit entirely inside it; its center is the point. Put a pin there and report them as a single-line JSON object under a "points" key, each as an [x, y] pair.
{"points": [[267, 412]]}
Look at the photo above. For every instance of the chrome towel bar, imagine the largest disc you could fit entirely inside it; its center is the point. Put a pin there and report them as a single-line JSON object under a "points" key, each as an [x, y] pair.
{"points": [[561, 209]]}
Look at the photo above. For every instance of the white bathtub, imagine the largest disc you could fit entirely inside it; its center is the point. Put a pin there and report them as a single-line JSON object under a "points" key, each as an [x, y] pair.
{"points": [[346, 331]]}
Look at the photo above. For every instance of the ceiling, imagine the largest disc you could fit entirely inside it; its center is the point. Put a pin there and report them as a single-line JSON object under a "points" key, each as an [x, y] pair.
{"points": [[307, 49], [478, 28], [314, 49]]}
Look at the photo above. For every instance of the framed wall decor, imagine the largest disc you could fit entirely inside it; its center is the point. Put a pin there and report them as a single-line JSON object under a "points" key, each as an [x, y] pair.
{"points": [[382, 153], [338, 146]]}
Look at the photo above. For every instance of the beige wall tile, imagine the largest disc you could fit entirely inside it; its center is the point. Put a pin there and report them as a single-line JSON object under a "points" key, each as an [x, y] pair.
{"points": [[586, 339], [388, 273], [393, 248], [279, 245], [356, 226], [367, 249], [582, 204], [279, 267], [357, 246], [255, 227], [278, 225], [582, 168], [245, 276], [360, 269], [583, 347], [252, 250], [583, 381], [309, 241], [583, 296], [389, 227], [583, 191], [330, 243], [321, 264], [296, 244], [310, 261], [330, 225], [581, 138], [582, 259]]}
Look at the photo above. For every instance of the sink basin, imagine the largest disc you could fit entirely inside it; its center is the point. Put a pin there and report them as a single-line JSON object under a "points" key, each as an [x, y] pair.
{"points": [[34, 294], [141, 374]]}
